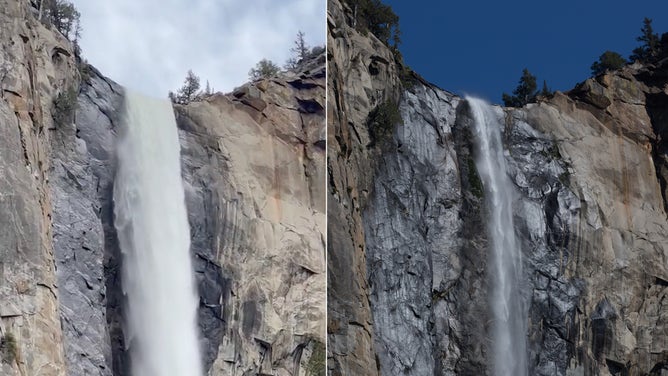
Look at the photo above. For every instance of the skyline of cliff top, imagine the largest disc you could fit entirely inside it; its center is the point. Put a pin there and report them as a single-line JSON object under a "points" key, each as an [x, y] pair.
{"points": [[149, 46], [469, 48]]}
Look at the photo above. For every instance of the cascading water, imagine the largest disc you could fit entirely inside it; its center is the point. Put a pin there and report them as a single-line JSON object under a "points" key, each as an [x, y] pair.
{"points": [[153, 231], [509, 329]]}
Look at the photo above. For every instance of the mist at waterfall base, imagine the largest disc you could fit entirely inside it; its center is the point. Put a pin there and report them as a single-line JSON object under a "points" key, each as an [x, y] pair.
{"points": [[151, 220], [508, 312]]}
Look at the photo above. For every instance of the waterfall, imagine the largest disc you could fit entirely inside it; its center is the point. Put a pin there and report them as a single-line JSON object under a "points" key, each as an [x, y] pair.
{"points": [[509, 314], [154, 235]]}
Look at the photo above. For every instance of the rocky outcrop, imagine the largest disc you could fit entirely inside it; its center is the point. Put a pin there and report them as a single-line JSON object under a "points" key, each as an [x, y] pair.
{"points": [[253, 164], [88, 258], [35, 66], [606, 301], [353, 90], [589, 171]]}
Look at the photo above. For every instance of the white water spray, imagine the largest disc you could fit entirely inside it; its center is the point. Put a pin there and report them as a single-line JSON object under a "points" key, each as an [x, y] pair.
{"points": [[153, 231], [509, 333]]}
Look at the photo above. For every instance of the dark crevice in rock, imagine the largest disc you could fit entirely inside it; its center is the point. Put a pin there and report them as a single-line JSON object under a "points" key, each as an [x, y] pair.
{"points": [[113, 266], [659, 369], [300, 84], [320, 144], [616, 368], [207, 222], [116, 300], [656, 78], [602, 328], [470, 304], [657, 108], [310, 106], [660, 281]]}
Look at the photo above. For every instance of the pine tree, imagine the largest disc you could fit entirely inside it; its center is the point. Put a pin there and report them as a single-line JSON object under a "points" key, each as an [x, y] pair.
{"points": [[300, 51], [378, 18], [608, 61], [545, 91], [524, 93], [188, 92], [263, 69], [650, 49], [64, 16]]}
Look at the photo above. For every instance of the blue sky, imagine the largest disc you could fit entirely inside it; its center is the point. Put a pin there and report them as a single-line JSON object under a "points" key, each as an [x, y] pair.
{"points": [[149, 45], [480, 47]]}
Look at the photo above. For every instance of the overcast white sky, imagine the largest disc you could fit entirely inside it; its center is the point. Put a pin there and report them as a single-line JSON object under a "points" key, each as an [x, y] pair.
{"points": [[149, 45]]}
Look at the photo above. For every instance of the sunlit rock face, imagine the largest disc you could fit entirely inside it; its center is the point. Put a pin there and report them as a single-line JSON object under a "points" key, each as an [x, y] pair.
{"points": [[254, 170], [254, 176], [588, 168]]}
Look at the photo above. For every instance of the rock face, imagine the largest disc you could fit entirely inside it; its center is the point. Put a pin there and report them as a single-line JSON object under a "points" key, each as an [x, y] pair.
{"points": [[589, 169], [35, 64], [88, 259], [253, 166], [352, 92]]}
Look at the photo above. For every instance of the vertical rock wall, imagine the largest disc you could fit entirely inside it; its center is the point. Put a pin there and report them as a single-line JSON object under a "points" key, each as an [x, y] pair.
{"points": [[589, 173], [35, 65], [353, 91], [254, 170]]}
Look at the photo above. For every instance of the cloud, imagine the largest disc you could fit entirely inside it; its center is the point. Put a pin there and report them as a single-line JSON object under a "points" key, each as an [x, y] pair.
{"points": [[149, 45]]}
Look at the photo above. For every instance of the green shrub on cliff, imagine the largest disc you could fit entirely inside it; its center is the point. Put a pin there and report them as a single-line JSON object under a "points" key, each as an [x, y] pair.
{"points": [[64, 106], [608, 61], [407, 77], [63, 15], [475, 183], [316, 363], [376, 17], [264, 69], [8, 348], [381, 122]]}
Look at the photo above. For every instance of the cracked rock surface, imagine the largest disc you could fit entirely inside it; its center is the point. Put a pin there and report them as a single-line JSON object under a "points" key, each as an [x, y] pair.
{"points": [[589, 169], [253, 166]]}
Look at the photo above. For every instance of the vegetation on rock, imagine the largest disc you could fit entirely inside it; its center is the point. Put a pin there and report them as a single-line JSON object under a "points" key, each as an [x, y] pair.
{"points": [[653, 49], [316, 363], [190, 91], [608, 61], [64, 106], [407, 77], [300, 51], [545, 91], [381, 122], [8, 348], [264, 69], [377, 18], [650, 50], [475, 183], [63, 15], [524, 93]]}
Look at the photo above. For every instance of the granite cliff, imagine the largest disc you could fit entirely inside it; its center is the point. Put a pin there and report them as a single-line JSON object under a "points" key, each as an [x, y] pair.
{"points": [[407, 250], [253, 165]]}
